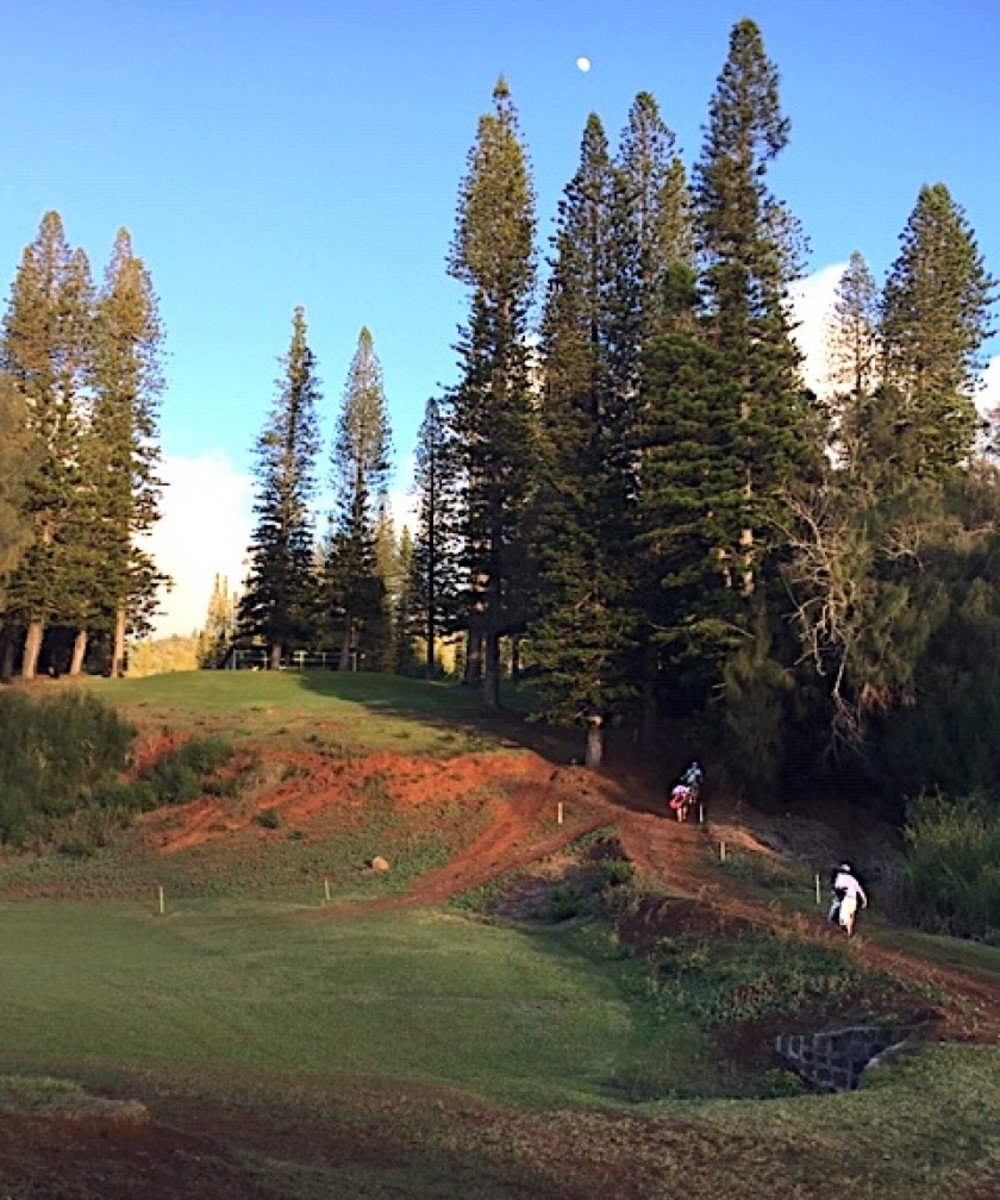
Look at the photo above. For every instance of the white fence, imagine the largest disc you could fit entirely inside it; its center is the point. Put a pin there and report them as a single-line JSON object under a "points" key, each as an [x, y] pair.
{"points": [[256, 659]]}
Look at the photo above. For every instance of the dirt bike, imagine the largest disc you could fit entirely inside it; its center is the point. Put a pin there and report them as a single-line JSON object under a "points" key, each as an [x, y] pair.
{"points": [[844, 914], [683, 799]]}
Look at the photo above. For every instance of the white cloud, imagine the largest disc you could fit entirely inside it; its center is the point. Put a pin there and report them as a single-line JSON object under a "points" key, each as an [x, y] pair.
{"points": [[403, 500], [988, 398], [204, 531], [812, 305]]}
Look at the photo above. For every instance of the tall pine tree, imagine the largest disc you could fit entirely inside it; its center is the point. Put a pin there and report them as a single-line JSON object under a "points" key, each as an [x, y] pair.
{"points": [[121, 451], [435, 564], [493, 254], [46, 349], [935, 321], [355, 593], [585, 637], [749, 247], [279, 597]]}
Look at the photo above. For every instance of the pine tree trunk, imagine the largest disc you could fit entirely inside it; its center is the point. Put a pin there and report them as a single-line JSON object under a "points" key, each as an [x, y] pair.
{"points": [[79, 653], [594, 754], [473, 658], [274, 657], [118, 652], [650, 707], [32, 649], [491, 671], [430, 660], [8, 651], [345, 646], [515, 660]]}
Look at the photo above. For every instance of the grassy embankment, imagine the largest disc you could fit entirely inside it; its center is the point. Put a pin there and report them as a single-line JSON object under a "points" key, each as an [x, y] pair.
{"points": [[508, 1057]]}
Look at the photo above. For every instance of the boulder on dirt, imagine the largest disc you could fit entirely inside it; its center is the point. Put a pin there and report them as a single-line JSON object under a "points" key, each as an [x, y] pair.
{"points": [[379, 864]]}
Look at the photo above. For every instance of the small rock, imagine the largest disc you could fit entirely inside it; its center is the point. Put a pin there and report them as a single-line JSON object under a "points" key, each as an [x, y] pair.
{"points": [[379, 864]]}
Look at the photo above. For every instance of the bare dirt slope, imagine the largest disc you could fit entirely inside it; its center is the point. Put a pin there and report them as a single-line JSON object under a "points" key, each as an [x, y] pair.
{"points": [[202, 1155]]}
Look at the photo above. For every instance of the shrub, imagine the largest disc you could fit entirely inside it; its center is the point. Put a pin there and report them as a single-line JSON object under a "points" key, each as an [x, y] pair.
{"points": [[181, 775], [57, 755], [269, 818], [952, 869], [564, 903], [778, 1083], [616, 871]]}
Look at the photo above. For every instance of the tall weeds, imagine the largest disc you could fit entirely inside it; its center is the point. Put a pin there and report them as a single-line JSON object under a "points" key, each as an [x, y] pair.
{"points": [[57, 754], [952, 870]]}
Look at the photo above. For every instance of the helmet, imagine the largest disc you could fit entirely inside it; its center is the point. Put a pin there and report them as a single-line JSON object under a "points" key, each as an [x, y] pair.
{"points": [[845, 867]]}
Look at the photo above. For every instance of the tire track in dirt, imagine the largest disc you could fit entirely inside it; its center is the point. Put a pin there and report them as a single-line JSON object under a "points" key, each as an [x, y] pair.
{"points": [[512, 841], [673, 856]]}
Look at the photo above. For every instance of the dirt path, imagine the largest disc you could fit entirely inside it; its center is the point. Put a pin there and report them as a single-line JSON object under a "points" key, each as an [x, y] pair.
{"points": [[672, 856], [202, 1154]]}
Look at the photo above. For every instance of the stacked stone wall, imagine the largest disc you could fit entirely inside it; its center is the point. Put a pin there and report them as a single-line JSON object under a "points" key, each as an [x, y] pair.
{"points": [[835, 1061]]}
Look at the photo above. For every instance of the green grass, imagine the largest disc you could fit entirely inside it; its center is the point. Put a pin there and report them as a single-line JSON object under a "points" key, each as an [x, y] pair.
{"points": [[324, 709], [490, 1061], [284, 864], [957, 954], [520, 1018]]}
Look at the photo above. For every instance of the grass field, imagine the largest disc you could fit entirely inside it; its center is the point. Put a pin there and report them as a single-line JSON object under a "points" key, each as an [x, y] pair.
{"points": [[426, 1052], [376, 712], [518, 1017]]}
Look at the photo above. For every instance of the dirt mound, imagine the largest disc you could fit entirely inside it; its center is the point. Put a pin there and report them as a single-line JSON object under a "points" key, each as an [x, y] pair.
{"points": [[530, 811], [116, 1161]]}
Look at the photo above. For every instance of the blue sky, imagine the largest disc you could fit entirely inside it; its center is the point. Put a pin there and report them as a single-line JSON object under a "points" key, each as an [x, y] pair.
{"points": [[271, 153]]}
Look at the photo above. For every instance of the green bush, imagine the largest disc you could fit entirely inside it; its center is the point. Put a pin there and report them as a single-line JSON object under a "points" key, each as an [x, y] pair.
{"points": [[616, 871], [779, 1082], [952, 869], [564, 903], [758, 976], [58, 754], [181, 775], [269, 818]]}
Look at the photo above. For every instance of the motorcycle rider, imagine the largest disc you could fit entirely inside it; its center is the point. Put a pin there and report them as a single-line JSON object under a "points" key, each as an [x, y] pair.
{"points": [[692, 778], [847, 894]]}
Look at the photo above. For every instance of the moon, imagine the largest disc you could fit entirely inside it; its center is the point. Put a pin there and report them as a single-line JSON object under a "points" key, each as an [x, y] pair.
{"points": [[583, 64]]}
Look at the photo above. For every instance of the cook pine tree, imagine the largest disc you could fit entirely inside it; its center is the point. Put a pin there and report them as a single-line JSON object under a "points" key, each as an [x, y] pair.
{"points": [[120, 450], [279, 600], [750, 251], [658, 205], [360, 465], [935, 320], [435, 565], [584, 637], [492, 440], [16, 469], [45, 349]]}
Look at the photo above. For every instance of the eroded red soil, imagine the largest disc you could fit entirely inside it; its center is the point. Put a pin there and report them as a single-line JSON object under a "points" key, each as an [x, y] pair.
{"points": [[519, 798]]}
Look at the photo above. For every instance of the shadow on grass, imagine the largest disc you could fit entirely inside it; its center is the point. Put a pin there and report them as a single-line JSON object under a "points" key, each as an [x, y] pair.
{"points": [[643, 778], [448, 706]]}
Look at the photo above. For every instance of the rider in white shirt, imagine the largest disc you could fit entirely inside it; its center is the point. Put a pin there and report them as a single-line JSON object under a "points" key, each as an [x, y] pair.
{"points": [[847, 895]]}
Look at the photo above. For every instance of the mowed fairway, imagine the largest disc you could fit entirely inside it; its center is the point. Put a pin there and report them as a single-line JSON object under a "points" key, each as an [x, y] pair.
{"points": [[418, 996]]}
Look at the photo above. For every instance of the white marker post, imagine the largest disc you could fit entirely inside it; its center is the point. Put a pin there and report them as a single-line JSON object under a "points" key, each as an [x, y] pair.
{"points": [[162, 901], [559, 813]]}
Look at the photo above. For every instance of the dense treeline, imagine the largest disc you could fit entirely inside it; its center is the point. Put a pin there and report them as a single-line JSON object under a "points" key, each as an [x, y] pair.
{"points": [[79, 389], [629, 493], [646, 506]]}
